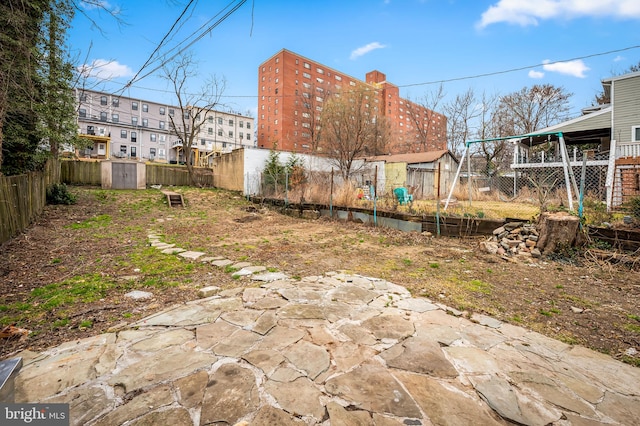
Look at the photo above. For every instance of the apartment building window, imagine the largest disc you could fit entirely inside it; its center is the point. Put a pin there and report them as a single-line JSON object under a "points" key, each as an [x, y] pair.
{"points": [[82, 112], [134, 137], [241, 135], [319, 80], [134, 152], [185, 114], [241, 124], [123, 150], [134, 121], [210, 130], [306, 75], [276, 93], [162, 110], [277, 70], [248, 136], [318, 98], [352, 83], [103, 100], [145, 108], [145, 122], [248, 125], [306, 95], [219, 132], [161, 125], [152, 153], [123, 134], [152, 137], [115, 118], [115, 102], [134, 106], [203, 142], [320, 70], [162, 138], [83, 97], [219, 120], [230, 133], [307, 66], [103, 116], [275, 121], [635, 133], [171, 112], [210, 119], [230, 122]]}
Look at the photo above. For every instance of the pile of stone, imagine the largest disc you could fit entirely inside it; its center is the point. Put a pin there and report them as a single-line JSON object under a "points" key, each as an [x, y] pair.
{"points": [[512, 239]]}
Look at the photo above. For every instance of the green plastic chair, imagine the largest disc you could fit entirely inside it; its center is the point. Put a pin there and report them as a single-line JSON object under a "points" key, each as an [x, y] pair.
{"points": [[403, 195]]}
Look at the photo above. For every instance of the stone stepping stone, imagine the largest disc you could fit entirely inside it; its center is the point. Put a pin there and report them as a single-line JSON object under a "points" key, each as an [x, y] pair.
{"points": [[240, 265], [208, 259], [269, 276], [161, 246], [222, 263], [139, 295], [208, 291], [191, 254], [173, 250], [249, 270]]}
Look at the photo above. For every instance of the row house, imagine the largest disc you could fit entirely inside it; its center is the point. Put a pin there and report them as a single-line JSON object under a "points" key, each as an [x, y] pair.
{"points": [[122, 127]]}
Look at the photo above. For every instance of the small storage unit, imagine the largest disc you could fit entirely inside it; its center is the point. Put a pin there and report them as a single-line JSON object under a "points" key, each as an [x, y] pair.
{"points": [[124, 175]]}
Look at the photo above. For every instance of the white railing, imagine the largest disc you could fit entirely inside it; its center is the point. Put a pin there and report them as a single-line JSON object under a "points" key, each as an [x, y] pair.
{"points": [[628, 150]]}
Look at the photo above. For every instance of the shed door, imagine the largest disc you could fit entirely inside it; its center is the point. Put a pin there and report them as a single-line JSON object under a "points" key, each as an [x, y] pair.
{"points": [[124, 176]]}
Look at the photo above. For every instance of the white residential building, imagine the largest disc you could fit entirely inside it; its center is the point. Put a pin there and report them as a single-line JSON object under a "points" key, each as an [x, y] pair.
{"points": [[123, 127]]}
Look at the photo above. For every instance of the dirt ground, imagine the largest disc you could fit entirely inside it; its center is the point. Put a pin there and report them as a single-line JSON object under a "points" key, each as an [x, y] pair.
{"points": [[66, 276]]}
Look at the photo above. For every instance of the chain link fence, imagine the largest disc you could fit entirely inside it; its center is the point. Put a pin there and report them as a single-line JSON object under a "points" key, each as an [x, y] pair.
{"points": [[521, 193]]}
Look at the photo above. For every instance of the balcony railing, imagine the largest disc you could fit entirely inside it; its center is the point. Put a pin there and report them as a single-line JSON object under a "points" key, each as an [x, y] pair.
{"points": [[628, 150], [541, 158]]}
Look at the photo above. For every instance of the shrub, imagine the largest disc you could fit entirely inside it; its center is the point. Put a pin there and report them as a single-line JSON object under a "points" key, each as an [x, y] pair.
{"points": [[58, 193]]}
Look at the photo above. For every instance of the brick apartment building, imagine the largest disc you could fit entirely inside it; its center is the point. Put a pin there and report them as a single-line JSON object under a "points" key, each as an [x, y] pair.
{"points": [[124, 127], [291, 92]]}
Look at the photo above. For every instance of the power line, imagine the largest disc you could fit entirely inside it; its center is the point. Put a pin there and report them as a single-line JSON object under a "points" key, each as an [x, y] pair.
{"points": [[198, 38], [520, 68], [175, 23]]}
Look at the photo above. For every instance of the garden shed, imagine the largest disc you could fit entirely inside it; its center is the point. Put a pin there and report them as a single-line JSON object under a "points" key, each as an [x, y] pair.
{"points": [[418, 172]]}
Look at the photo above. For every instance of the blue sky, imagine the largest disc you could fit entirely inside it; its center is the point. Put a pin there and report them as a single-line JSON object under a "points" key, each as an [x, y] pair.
{"points": [[414, 42]]}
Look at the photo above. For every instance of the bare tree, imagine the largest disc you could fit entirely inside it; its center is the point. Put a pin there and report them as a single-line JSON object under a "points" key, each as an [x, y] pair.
{"points": [[192, 106], [353, 127], [495, 152], [533, 108], [461, 113], [425, 128]]}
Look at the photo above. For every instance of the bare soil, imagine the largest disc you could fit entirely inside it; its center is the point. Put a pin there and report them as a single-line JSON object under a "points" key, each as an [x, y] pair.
{"points": [[102, 240]]}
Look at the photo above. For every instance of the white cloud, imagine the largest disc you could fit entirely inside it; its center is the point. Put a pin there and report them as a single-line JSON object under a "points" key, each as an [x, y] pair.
{"points": [[618, 58], [575, 68], [536, 74], [527, 12], [105, 70], [360, 51]]}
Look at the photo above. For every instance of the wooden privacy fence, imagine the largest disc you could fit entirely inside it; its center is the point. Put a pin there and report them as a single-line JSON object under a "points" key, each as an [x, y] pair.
{"points": [[81, 172], [177, 176], [23, 197], [90, 173]]}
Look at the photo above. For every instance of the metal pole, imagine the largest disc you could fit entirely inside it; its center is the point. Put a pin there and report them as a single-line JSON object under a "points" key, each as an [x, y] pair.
{"points": [[455, 179], [331, 197], [582, 181], [286, 188], [565, 167], [469, 174], [438, 202]]}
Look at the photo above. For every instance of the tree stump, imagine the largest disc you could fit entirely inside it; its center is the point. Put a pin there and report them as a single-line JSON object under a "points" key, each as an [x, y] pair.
{"points": [[557, 230]]}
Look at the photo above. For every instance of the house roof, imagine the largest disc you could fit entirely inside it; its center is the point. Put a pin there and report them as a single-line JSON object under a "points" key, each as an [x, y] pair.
{"points": [[413, 158]]}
